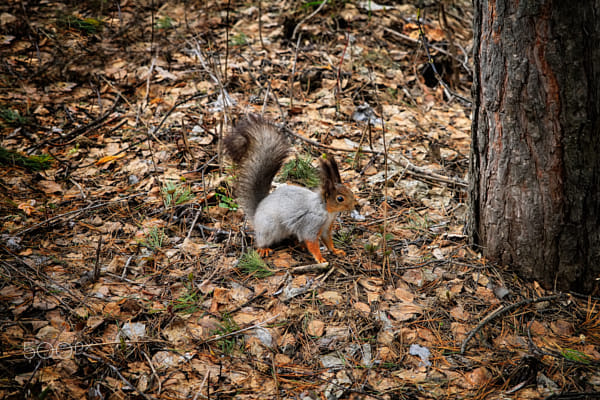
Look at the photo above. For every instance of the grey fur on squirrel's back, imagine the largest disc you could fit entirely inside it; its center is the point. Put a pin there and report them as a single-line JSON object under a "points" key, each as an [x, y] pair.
{"points": [[260, 149], [302, 218]]}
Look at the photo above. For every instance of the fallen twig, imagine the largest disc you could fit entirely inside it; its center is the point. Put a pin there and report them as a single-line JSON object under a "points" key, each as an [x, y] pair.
{"points": [[308, 17], [310, 268], [75, 212], [214, 339], [402, 161], [504, 309], [116, 371]]}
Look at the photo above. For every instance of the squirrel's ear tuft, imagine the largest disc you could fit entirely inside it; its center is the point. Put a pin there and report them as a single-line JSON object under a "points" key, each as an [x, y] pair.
{"points": [[332, 167], [329, 176]]}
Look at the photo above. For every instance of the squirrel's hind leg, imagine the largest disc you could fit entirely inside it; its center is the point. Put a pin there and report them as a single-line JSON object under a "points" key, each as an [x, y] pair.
{"points": [[264, 251]]}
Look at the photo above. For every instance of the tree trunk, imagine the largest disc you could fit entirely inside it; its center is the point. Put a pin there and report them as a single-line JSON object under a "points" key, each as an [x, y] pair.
{"points": [[535, 155]]}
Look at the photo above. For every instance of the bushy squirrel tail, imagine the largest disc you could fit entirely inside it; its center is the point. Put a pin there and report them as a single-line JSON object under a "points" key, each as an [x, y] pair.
{"points": [[259, 149]]}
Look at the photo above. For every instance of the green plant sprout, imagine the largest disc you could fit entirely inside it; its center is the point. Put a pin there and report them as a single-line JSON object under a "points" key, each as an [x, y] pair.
{"points": [[87, 25], [165, 22], [155, 239], [12, 117], [240, 39], [34, 163], [342, 237], [228, 325], [300, 171], [252, 264], [226, 202], [175, 194], [575, 355], [190, 301]]}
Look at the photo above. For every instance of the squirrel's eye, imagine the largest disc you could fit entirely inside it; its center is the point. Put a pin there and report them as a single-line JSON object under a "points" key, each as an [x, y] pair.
{"points": [[340, 199]]}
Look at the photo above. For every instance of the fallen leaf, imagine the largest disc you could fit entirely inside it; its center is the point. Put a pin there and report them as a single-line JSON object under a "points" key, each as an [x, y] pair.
{"points": [[108, 159], [315, 328], [331, 298]]}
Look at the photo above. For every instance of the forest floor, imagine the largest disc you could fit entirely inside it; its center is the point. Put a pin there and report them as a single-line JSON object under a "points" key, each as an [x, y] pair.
{"points": [[121, 268]]}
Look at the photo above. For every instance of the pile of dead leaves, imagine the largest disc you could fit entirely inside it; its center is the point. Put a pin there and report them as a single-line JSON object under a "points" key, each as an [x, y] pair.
{"points": [[121, 270]]}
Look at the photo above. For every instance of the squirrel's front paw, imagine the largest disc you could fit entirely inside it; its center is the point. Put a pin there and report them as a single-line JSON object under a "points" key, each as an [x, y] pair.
{"points": [[338, 252]]}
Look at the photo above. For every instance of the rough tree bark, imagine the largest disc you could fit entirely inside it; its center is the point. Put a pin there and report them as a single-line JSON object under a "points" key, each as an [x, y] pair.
{"points": [[535, 156]]}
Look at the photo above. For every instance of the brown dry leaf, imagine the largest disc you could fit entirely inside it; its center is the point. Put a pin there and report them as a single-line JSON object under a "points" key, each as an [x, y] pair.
{"points": [[221, 296], [362, 307], [282, 259], [331, 298], [108, 159], [410, 376], [459, 331], [477, 378], [371, 283], [345, 144], [49, 374], [459, 313], [49, 187], [251, 317], [562, 328], [537, 328], [404, 311], [413, 276], [42, 302], [28, 207], [487, 295], [315, 328], [591, 351], [404, 295], [112, 310], [12, 294]]}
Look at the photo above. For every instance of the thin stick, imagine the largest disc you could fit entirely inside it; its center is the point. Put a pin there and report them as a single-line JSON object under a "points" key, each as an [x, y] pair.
{"points": [[262, 43], [502, 310], [153, 372], [96, 273], [309, 268], [240, 331], [294, 71], [116, 371], [308, 17], [339, 70], [436, 48], [224, 74], [82, 210], [201, 386], [402, 161], [449, 92]]}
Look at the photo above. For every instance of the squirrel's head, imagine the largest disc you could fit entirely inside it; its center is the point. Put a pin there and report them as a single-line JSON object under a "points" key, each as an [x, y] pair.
{"points": [[338, 197]]}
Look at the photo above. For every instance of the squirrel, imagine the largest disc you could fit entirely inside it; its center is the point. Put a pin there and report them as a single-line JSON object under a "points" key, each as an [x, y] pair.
{"points": [[259, 149]]}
